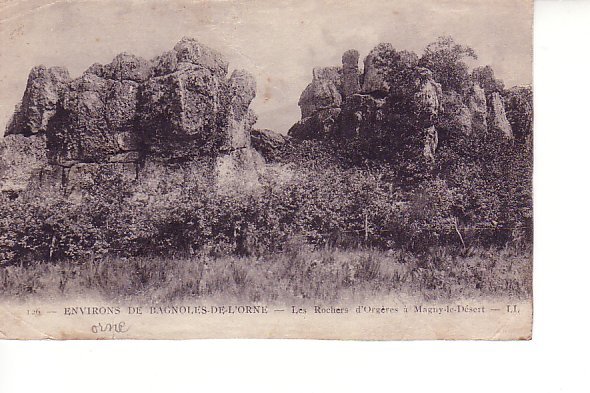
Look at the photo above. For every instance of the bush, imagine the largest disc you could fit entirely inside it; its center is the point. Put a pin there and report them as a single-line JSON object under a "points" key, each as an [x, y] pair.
{"points": [[446, 59], [377, 190], [479, 193]]}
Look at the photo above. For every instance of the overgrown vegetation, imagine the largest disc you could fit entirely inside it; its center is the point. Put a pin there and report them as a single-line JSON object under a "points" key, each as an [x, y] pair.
{"points": [[364, 218], [306, 232], [297, 274], [462, 203]]}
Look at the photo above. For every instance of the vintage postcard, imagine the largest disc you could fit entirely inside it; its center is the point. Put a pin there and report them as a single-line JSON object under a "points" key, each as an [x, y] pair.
{"points": [[266, 169]]}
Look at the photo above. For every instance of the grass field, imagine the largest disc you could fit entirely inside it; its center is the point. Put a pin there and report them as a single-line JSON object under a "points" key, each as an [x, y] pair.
{"points": [[297, 274]]}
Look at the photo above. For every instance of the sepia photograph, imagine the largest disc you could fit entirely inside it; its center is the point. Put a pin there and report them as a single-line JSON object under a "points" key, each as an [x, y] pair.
{"points": [[266, 169]]}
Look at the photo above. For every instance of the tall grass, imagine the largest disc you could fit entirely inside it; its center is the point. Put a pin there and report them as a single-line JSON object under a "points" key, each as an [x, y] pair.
{"points": [[299, 273]]}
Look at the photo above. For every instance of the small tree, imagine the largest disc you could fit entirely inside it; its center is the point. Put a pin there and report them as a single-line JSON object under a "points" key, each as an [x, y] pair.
{"points": [[446, 59], [484, 76]]}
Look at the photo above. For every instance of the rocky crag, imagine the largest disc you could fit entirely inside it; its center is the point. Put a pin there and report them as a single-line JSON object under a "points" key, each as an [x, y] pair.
{"points": [[147, 158], [180, 113], [393, 95], [132, 118]]}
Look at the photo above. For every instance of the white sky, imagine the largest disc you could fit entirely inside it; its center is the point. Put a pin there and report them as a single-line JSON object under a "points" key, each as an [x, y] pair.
{"points": [[279, 41]]}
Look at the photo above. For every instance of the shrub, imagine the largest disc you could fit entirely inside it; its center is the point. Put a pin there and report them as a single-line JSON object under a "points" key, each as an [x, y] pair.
{"points": [[446, 59]]}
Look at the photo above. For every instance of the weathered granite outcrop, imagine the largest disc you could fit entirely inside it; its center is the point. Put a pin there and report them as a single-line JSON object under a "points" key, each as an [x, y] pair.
{"points": [[187, 54], [477, 105], [324, 91], [350, 73], [95, 120], [497, 116], [176, 107], [268, 142], [45, 89], [375, 75], [181, 109], [393, 98], [365, 105], [21, 158], [194, 112], [322, 124]]}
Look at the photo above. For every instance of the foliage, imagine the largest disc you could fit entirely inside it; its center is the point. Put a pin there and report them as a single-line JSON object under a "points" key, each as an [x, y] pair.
{"points": [[478, 192], [446, 59], [519, 110], [378, 193], [493, 178], [484, 76], [299, 273]]}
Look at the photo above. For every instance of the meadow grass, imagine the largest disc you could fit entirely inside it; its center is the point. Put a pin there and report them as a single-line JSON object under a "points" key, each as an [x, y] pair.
{"points": [[298, 274]]}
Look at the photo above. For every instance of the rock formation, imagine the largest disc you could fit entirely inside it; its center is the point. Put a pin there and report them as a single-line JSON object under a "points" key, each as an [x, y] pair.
{"points": [[350, 73], [497, 116], [21, 158], [429, 104], [394, 96], [324, 92], [179, 106], [178, 113], [45, 88], [343, 108], [374, 78], [268, 142], [477, 105]]}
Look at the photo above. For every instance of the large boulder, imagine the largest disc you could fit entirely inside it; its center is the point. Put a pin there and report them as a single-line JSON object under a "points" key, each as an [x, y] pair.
{"points": [[180, 106], [194, 112], [189, 50], [241, 92], [318, 95], [22, 159], [323, 92], [45, 88], [189, 53], [477, 104], [124, 67], [322, 124], [350, 73], [180, 112], [96, 120], [497, 117], [375, 74], [268, 142]]}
